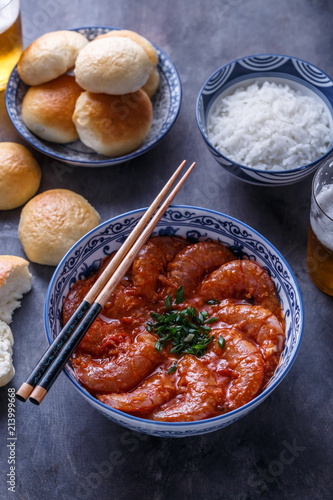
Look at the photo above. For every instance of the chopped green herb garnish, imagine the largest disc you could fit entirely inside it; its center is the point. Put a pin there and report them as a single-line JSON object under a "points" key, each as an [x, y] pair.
{"points": [[172, 368], [212, 302], [180, 295], [211, 320], [221, 342], [158, 346], [168, 302], [187, 330]]}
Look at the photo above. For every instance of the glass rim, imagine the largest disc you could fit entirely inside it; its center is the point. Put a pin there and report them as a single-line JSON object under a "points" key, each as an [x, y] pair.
{"points": [[6, 3], [317, 173]]}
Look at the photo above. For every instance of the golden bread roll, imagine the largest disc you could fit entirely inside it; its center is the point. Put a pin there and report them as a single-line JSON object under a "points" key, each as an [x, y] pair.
{"points": [[52, 222], [113, 125], [147, 46], [15, 280], [112, 66], [47, 109], [20, 175], [152, 83], [50, 56]]}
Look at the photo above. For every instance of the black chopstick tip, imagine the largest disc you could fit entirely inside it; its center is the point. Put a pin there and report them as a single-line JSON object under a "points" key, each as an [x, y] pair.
{"points": [[20, 398], [34, 401]]}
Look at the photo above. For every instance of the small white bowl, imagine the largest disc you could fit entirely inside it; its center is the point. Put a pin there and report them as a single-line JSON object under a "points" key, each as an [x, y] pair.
{"points": [[194, 224], [298, 74], [166, 105]]}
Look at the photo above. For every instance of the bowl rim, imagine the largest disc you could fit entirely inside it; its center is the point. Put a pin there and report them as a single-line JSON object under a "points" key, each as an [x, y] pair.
{"points": [[107, 161], [254, 402], [251, 169]]}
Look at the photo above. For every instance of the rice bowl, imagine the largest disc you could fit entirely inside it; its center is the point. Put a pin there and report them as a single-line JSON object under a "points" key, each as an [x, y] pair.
{"points": [[302, 78], [269, 126]]}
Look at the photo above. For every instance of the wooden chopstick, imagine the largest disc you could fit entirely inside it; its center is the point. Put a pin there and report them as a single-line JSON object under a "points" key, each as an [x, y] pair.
{"points": [[52, 373], [43, 364], [55, 358]]}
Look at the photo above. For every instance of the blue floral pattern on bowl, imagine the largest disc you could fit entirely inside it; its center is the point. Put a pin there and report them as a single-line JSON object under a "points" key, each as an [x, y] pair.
{"points": [[281, 69], [196, 224], [166, 105]]}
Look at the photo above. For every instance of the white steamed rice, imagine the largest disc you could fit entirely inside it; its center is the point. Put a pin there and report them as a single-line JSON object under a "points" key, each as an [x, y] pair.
{"points": [[269, 127]]}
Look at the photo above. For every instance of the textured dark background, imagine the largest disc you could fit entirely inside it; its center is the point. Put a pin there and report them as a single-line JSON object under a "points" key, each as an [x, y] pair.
{"points": [[66, 450]]}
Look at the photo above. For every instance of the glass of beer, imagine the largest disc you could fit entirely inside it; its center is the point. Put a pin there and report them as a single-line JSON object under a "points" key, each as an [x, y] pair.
{"points": [[10, 38], [320, 242]]}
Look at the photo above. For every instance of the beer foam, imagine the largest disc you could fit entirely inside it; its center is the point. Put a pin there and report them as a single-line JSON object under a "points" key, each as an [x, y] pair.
{"points": [[9, 15], [321, 225], [325, 200]]}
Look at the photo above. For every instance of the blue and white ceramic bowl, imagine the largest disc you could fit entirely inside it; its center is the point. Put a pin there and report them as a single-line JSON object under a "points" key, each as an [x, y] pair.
{"points": [[166, 105], [298, 74], [195, 224]]}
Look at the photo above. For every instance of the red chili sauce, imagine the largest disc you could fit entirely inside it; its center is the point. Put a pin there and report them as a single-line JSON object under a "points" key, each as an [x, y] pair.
{"points": [[190, 333]]}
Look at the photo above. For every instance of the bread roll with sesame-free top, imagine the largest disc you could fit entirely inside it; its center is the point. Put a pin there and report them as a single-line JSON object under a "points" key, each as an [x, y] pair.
{"points": [[20, 175], [112, 66], [152, 83], [50, 56], [47, 109], [113, 125], [52, 222]]}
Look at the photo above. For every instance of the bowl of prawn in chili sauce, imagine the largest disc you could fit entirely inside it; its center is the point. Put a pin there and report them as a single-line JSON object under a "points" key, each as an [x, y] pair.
{"points": [[204, 326]]}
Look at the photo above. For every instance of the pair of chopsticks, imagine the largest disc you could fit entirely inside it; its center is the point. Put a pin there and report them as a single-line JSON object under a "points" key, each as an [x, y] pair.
{"points": [[56, 356]]}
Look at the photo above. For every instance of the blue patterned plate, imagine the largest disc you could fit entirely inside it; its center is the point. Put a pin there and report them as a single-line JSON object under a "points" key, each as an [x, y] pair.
{"points": [[298, 74], [166, 105], [195, 224]]}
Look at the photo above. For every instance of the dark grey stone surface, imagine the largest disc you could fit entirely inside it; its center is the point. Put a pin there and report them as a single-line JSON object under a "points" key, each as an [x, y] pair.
{"points": [[65, 450]]}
